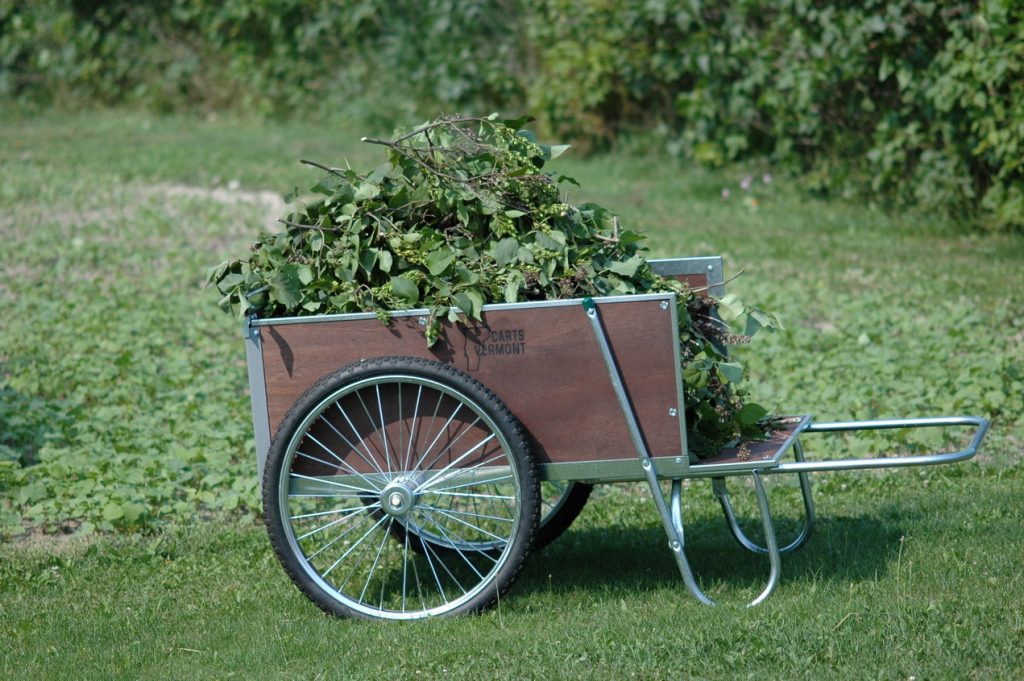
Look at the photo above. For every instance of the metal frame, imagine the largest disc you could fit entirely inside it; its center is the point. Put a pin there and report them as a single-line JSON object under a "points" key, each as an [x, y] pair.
{"points": [[672, 518], [707, 265], [424, 312], [258, 391]]}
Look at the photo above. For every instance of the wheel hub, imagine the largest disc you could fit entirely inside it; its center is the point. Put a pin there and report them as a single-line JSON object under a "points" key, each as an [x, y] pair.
{"points": [[397, 499]]}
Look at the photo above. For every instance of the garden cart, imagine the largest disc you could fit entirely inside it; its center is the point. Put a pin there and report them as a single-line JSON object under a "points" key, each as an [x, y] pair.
{"points": [[401, 481]]}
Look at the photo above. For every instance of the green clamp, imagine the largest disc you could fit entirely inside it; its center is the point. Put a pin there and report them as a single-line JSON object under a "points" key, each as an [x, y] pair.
{"points": [[589, 305]]}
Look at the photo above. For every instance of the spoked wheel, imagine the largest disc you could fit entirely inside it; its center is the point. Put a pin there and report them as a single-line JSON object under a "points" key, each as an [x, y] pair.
{"points": [[400, 488], [560, 504]]}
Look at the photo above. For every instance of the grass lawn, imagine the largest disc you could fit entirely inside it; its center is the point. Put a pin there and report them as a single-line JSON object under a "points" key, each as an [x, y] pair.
{"points": [[125, 387]]}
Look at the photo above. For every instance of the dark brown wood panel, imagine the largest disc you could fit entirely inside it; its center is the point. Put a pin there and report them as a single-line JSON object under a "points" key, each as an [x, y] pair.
{"points": [[695, 281], [543, 362]]}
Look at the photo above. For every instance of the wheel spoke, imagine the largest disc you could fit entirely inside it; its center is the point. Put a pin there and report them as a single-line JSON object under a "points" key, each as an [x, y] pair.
{"points": [[352, 448], [332, 483], [354, 545], [471, 495], [325, 463], [371, 460], [412, 431], [455, 547], [376, 560], [341, 536], [454, 463], [323, 513], [469, 525], [473, 514], [350, 512], [469, 469], [463, 429], [405, 568], [480, 550], [376, 431], [430, 562], [426, 451], [383, 427]]}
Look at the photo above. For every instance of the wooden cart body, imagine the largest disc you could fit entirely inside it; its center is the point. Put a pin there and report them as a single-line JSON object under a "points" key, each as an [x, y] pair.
{"points": [[596, 385]]}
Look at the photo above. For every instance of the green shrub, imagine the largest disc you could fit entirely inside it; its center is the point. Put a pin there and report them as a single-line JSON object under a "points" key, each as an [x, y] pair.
{"points": [[917, 102], [906, 101]]}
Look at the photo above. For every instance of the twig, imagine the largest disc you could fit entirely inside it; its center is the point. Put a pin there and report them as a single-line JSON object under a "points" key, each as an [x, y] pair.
{"points": [[298, 225], [731, 279], [332, 171], [614, 238], [435, 124]]}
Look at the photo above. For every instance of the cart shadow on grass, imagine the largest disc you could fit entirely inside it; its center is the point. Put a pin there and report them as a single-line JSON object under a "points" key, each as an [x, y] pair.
{"points": [[843, 549]]}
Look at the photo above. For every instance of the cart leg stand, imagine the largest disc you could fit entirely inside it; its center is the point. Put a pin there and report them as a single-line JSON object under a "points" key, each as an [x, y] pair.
{"points": [[722, 494], [673, 520]]}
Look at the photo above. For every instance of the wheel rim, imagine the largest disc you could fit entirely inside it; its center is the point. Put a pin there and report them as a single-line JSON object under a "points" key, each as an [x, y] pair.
{"points": [[400, 452]]}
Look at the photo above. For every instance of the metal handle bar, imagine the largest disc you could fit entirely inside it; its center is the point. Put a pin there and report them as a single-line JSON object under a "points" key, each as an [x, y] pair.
{"points": [[888, 462]]}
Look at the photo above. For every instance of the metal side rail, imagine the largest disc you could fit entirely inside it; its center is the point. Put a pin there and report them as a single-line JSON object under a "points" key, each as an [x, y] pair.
{"points": [[801, 467], [895, 461], [672, 520]]}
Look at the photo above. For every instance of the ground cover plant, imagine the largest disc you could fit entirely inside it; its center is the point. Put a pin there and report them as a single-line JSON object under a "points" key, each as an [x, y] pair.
{"points": [[121, 384]]}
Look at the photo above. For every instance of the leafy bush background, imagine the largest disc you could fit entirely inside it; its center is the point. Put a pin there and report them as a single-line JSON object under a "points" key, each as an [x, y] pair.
{"points": [[905, 101]]}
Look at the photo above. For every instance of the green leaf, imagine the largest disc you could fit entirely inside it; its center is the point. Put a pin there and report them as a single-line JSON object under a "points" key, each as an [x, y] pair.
{"points": [[439, 260], [753, 325], [477, 303], [627, 268], [285, 286], [230, 281], [405, 289], [730, 371], [368, 259], [305, 274], [463, 302], [751, 413], [517, 123], [112, 512], [367, 191], [513, 283], [505, 251], [730, 307], [489, 203], [528, 135], [548, 242], [132, 512], [557, 150]]}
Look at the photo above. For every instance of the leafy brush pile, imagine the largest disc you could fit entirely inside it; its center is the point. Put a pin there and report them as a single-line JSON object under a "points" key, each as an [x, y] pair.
{"points": [[462, 214]]}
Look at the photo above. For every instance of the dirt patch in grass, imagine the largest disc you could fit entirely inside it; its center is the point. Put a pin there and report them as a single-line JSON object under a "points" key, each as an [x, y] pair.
{"points": [[63, 543], [270, 203]]}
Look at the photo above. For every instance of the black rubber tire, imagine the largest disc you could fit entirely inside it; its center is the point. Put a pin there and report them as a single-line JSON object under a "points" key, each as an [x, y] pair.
{"points": [[504, 482], [557, 518]]}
